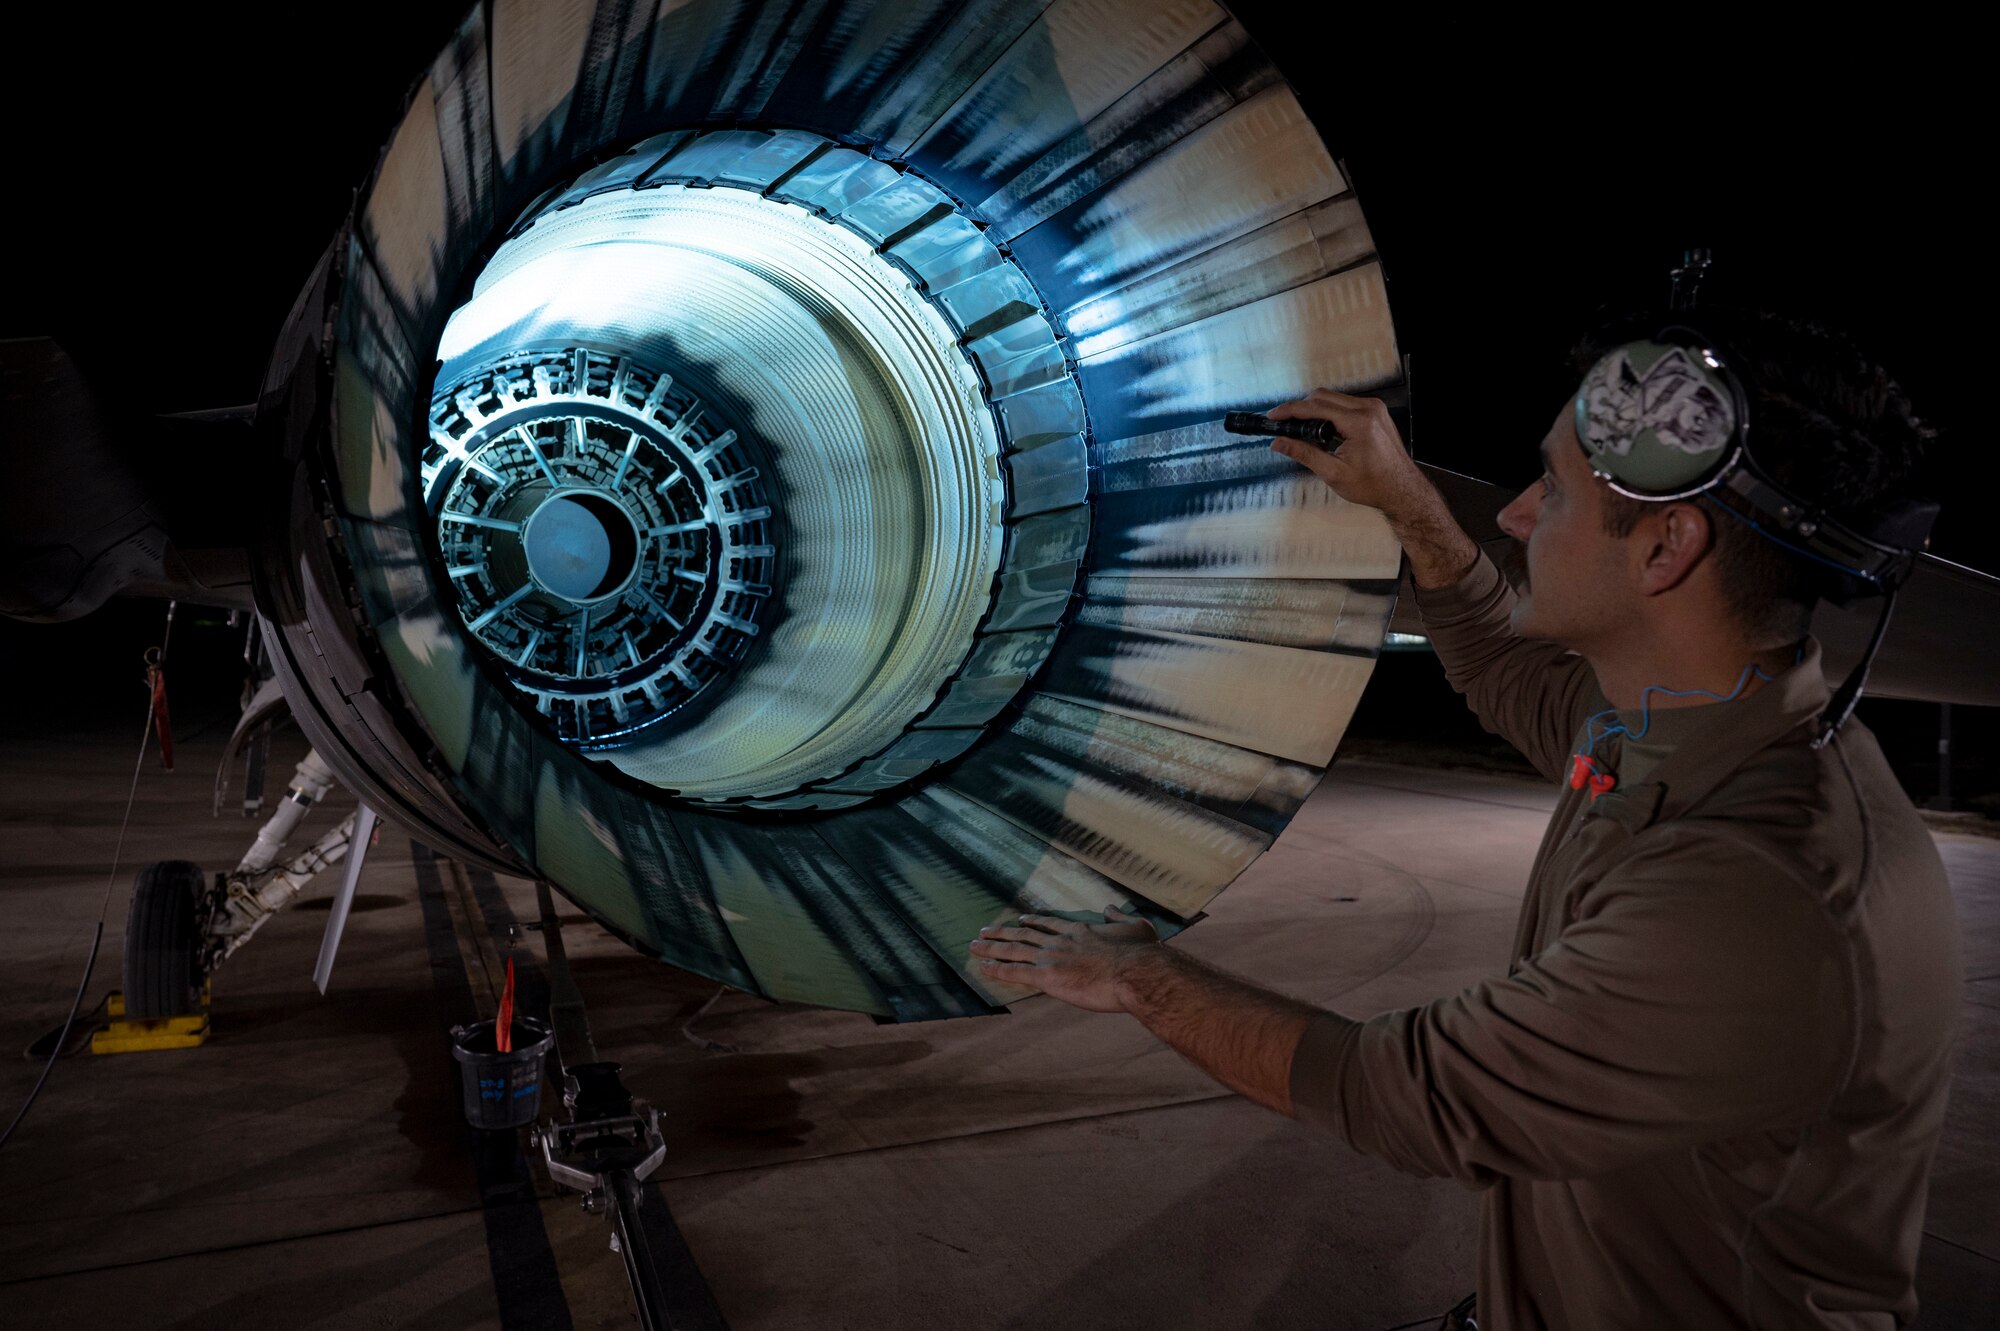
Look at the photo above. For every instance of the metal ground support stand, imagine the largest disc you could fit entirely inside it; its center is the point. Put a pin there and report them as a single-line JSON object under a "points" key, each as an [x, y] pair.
{"points": [[608, 1148]]}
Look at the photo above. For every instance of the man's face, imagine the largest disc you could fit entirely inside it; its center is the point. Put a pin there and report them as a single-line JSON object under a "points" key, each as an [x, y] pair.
{"points": [[1574, 593]]}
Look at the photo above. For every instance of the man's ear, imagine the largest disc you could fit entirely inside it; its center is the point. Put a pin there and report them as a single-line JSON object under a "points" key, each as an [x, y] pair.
{"points": [[1679, 535]]}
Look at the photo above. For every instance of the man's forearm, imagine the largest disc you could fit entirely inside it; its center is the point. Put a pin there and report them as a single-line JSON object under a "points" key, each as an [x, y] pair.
{"points": [[1241, 1035], [1440, 552]]}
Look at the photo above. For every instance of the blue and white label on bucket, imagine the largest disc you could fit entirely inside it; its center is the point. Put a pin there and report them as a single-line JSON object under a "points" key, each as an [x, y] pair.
{"points": [[496, 1089]]}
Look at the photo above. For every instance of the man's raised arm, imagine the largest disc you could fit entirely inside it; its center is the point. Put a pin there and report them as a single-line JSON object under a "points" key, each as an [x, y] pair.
{"points": [[1533, 694]]}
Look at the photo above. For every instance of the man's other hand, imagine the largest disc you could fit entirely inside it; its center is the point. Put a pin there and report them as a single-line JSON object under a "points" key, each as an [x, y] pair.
{"points": [[1370, 467], [1077, 962]]}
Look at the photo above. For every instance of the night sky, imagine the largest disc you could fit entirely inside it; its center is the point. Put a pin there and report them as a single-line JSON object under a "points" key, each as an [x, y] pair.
{"points": [[172, 182]]}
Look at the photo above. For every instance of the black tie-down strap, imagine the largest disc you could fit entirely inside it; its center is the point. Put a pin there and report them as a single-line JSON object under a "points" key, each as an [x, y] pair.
{"points": [[607, 1150]]}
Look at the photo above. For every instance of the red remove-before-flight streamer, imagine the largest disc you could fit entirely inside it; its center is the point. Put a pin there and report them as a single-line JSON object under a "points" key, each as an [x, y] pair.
{"points": [[503, 1025]]}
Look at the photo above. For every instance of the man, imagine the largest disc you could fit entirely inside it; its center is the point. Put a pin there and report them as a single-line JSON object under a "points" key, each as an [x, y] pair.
{"points": [[1707, 1091]]}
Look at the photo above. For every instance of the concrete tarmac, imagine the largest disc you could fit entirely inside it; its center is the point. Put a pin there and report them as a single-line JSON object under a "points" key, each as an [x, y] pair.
{"points": [[309, 1166]]}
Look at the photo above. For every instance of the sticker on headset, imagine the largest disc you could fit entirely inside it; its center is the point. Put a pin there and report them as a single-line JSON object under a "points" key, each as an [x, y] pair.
{"points": [[1672, 397]]}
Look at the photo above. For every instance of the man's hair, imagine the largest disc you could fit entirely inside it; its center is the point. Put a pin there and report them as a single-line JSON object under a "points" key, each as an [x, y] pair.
{"points": [[1827, 423]]}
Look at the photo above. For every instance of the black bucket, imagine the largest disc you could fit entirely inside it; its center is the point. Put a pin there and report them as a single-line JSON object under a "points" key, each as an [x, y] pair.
{"points": [[501, 1090]]}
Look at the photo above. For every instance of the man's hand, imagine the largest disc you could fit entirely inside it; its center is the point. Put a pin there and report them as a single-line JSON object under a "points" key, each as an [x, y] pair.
{"points": [[1372, 468], [1078, 963], [1239, 1034]]}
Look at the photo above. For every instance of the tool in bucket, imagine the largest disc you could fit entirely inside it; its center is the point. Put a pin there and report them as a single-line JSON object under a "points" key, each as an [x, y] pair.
{"points": [[503, 1025], [502, 1062]]}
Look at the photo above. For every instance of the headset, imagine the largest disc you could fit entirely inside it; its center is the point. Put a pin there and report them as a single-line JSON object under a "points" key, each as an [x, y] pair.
{"points": [[1668, 418]]}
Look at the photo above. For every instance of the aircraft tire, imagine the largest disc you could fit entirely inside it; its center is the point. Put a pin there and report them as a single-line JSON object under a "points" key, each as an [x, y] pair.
{"points": [[160, 975]]}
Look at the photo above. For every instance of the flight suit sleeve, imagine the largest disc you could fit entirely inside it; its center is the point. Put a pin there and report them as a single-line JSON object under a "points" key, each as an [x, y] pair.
{"points": [[1534, 695], [1701, 993]]}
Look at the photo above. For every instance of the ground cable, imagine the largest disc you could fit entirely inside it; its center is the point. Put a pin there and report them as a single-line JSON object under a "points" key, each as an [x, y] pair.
{"points": [[110, 883]]}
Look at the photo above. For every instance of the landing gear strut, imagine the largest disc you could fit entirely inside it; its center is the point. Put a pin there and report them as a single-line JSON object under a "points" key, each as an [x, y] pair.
{"points": [[183, 925]]}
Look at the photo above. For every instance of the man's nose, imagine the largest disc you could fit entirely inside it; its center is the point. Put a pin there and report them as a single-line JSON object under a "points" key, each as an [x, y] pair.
{"points": [[1518, 518]]}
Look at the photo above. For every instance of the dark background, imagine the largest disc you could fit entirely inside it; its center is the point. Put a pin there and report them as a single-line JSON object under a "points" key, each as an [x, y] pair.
{"points": [[174, 174]]}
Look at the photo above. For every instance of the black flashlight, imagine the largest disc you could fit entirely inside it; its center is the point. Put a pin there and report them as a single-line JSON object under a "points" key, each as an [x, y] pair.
{"points": [[1320, 433]]}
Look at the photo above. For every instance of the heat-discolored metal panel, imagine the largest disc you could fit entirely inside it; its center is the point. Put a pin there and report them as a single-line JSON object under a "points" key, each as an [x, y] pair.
{"points": [[877, 64], [811, 928], [373, 399], [1217, 72], [1243, 785], [1257, 162], [406, 224], [609, 74], [1058, 76], [1177, 854], [1278, 700], [440, 680], [942, 895], [535, 49], [1290, 252], [600, 834], [574, 844], [499, 777], [714, 61], [964, 47], [1324, 614], [1044, 879], [1334, 333], [462, 86], [1196, 502]]}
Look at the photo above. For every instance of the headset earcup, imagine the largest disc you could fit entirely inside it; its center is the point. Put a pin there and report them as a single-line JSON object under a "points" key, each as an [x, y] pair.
{"points": [[1659, 418]]}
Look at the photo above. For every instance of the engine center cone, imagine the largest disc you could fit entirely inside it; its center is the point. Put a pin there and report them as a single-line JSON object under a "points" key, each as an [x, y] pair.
{"points": [[568, 544]]}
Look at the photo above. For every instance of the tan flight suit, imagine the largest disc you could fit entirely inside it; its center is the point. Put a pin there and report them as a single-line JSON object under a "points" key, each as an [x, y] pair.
{"points": [[1707, 1091]]}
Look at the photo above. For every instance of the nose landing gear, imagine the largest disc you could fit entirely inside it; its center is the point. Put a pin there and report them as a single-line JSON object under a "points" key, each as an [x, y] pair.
{"points": [[183, 925]]}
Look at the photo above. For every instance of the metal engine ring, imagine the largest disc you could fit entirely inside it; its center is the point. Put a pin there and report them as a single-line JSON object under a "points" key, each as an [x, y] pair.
{"points": [[537, 463], [931, 484]]}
